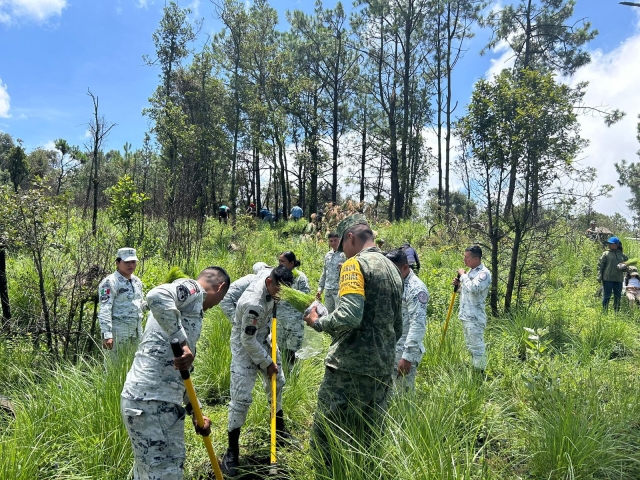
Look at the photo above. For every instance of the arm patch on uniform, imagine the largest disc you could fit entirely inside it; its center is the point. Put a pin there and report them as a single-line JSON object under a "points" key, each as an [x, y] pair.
{"points": [[182, 292], [422, 297], [351, 278], [105, 293], [250, 330]]}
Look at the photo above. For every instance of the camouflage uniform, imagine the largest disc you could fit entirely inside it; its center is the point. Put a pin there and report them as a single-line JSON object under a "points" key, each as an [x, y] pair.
{"points": [[237, 288], [364, 328], [121, 307], [290, 324], [474, 287], [330, 278], [251, 351], [154, 391], [414, 325]]}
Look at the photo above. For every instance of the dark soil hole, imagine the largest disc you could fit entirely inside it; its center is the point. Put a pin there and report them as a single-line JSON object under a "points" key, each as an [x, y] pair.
{"points": [[255, 467]]}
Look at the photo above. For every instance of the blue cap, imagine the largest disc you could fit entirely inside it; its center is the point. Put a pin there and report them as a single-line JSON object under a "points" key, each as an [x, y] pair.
{"points": [[614, 240]]}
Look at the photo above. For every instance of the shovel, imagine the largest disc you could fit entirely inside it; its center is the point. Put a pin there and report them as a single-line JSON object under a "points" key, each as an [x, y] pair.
{"points": [[186, 377], [446, 323], [274, 352]]}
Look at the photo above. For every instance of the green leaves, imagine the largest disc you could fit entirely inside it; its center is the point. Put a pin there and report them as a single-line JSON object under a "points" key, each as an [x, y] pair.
{"points": [[125, 206]]}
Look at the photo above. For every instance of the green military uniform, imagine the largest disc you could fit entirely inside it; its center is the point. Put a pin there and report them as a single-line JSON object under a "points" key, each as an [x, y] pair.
{"points": [[364, 327]]}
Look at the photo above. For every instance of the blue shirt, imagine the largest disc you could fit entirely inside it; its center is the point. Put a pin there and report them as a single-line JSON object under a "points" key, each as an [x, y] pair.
{"points": [[296, 212]]}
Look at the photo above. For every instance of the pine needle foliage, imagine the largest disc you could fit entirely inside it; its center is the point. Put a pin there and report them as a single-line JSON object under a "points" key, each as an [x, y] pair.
{"points": [[298, 300], [174, 274]]}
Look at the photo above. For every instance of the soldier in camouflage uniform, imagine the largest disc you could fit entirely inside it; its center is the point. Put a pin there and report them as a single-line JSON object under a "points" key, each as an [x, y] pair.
{"points": [[237, 288], [365, 328], [153, 393], [121, 302], [474, 287], [329, 280], [409, 349], [250, 355], [290, 324]]}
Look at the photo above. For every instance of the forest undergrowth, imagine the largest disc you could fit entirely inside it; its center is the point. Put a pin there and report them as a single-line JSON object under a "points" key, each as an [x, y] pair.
{"points": [[560, 400]]}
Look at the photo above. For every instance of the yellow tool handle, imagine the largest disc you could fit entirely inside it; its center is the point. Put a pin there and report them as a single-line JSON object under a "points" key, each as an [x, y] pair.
{"points": [[274, 353], [446, 323], [191, 392]]}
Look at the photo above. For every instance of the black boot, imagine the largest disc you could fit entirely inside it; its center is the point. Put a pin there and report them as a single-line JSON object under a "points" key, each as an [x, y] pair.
{"points": [[291, 357], [283, 436], [230, 461]]}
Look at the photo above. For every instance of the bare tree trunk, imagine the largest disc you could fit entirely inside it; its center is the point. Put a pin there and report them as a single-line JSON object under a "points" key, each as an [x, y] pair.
{"points": [[94, 320], [4, 292], [439, 107], [37, 260], [99, 130], [76, 354], [257, 174], [363, 160]]}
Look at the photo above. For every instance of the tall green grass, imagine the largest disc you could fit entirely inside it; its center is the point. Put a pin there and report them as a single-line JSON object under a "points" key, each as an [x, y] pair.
{"points": [[569, 410], [67, 423]]}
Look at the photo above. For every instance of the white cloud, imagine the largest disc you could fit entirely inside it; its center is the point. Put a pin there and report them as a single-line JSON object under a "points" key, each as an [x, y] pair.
{"points": [[142, 4], [37, 10], [505, 60], [50, 145], [5, 101], [195, 7], [613, 82]]}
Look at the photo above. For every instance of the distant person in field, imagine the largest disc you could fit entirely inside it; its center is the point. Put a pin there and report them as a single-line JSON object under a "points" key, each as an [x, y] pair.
{"points": [[251, 209], [365, 327], [592, 231], [410, 347], [290, 323], [153, 393], [474, 287], [223, 214], [250, 356], [330, 277], [412, 257], [121, 302], [297, 213], [609, 274], [632, 286], [265, 214]]}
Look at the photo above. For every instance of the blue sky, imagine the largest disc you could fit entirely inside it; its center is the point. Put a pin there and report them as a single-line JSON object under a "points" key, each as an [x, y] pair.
{"points": [[52, 51]]}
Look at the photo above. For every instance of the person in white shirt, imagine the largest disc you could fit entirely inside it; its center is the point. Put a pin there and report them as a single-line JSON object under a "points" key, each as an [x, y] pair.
{"points": [[632, 287]]}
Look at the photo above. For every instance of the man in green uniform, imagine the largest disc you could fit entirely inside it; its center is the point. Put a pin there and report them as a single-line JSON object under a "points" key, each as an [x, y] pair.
{"points": [[364, 327]]}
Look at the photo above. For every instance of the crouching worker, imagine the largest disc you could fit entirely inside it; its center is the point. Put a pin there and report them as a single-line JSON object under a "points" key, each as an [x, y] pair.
{"points": [[250, 355], [632, 284], [153, 393]]}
